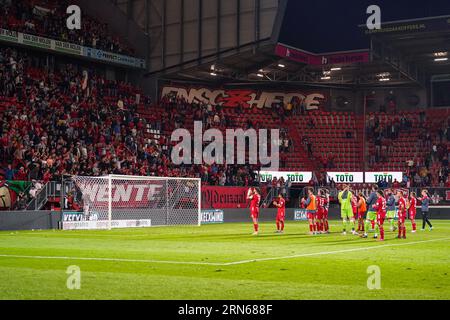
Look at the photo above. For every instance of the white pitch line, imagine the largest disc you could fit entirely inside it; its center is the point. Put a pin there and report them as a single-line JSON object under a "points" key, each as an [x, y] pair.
{"points": [[218, 264], [331, 252], [110, 259]]}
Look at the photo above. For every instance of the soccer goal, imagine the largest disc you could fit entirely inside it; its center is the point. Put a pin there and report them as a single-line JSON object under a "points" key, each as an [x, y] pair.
{"points": [[116, 201]]}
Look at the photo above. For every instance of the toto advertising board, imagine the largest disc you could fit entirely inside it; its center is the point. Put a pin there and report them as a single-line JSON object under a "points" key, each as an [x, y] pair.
{"points": [[346, 177], [294, 177], [374, 177]]}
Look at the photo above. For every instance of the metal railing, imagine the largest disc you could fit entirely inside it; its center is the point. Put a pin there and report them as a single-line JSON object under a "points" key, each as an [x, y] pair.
{"points": [[51, 189]]}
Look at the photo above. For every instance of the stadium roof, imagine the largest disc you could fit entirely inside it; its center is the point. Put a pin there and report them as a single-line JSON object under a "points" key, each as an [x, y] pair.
{"points": [[406, 52]]}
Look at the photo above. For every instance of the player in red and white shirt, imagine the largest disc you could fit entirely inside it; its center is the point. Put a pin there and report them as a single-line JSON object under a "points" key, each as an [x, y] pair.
{"points": [[412, 211], [326, 226], [401, 215], [380, 206], [255, 198], [280, 203], [321, 199]]}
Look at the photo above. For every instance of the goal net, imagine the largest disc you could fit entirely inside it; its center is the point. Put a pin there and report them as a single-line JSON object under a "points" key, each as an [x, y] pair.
{"points": [[129, 201]]}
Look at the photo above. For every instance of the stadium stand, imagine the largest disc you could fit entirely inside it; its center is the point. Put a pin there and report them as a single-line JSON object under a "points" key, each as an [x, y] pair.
{"points": [[72, 122], [48, 19], [43, 113]]}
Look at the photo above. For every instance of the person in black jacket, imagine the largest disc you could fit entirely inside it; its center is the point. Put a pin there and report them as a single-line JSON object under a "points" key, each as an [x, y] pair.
{"points": [[425, 209]]}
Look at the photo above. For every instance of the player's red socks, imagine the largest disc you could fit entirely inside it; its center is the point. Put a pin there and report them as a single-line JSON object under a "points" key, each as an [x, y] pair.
{"points": [[326, 226], [278, 225], [381, 233], [414, 226], [401, 231], [282, 225], [319, 226], [311, 228], [256, 227]]}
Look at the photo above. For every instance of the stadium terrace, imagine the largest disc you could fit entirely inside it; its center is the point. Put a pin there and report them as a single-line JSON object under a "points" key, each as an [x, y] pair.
{"points": [[213, 153]]}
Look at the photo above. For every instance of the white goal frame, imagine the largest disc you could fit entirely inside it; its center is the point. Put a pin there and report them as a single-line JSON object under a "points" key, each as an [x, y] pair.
{"points": [[183, 193]]}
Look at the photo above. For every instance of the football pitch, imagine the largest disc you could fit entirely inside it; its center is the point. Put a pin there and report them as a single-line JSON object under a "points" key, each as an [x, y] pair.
{"points": [[224, 262]]}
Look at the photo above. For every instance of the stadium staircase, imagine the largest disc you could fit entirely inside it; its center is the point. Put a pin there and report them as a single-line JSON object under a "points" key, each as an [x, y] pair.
{"points": [[50, 193]]}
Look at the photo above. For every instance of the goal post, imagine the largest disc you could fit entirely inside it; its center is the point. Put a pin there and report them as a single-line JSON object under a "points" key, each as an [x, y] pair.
{"points": [[117, 201]]}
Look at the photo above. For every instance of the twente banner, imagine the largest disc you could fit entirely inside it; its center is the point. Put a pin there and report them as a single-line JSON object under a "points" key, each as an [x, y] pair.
{"points": [[247, 98]]}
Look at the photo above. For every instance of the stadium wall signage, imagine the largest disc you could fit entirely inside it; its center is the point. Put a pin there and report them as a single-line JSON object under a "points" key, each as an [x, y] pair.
{"points": [[294, 177], [224, 197], [212, 216], [115, 224], [123, 196], [428, 25], [78, 216], [346, 177], [364, 177], [374, 177], [247, 98], [349, 57], [300, 215], [70, 48]]}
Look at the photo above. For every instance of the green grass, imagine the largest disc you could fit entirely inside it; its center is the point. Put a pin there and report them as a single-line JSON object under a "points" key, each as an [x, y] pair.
{"points": [[211, 262]]}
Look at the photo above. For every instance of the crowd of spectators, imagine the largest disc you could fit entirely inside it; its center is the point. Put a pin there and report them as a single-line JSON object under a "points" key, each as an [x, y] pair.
{"points": [[431, 169], [75, 122], [47, 18]]}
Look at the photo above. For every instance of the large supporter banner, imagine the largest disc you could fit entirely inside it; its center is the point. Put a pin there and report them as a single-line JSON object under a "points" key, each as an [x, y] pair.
{"points": [[224, 197], [69, 48], [375, 177], [9, 191], [346, 177], [294, 177], [247, 98]]}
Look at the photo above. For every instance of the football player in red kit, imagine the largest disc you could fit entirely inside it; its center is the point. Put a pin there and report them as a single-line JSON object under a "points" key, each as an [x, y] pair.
{"points": [[380, 206], [280, 203], [412, 211], [326, 227], [401, 215], [255, 198], [320, 211]]}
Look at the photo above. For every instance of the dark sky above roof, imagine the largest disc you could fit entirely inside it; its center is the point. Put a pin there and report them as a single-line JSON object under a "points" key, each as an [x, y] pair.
{"points": [[332, 25]]}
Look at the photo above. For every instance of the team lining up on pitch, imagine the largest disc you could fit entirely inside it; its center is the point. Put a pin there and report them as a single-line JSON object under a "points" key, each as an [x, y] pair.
{"points": [[371, 213]]}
